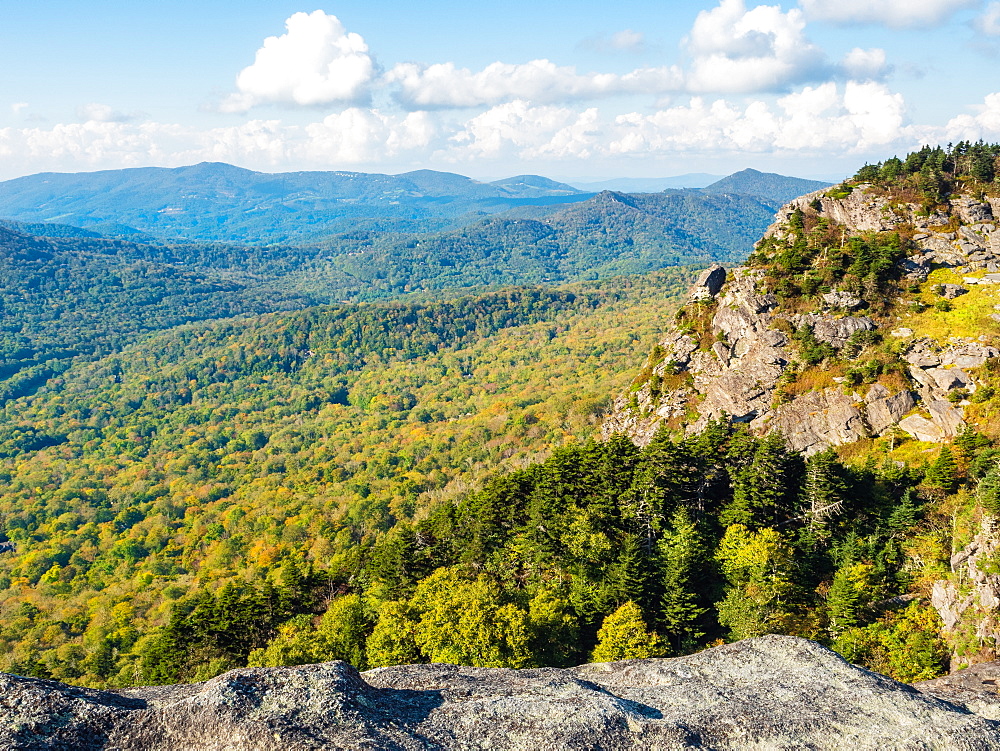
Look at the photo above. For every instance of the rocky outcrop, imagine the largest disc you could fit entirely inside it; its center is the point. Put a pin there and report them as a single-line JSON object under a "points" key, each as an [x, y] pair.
{"points": [[738, 377], [885, 409], [835, 331], [709, 282], [766, 693], [975, 246], [974, 688], [971, 597], [819, 419], [735, 368]]}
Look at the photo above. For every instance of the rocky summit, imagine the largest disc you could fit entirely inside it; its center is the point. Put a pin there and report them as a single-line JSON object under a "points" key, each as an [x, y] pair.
{"points": [[744, 337], [771, 692]]}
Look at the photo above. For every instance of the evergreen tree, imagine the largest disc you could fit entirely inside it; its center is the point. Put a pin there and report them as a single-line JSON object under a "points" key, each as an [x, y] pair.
{"points": [[823, 492], [761, 489], [844, 599], [683, 556], [943, 472], [988, 491]]}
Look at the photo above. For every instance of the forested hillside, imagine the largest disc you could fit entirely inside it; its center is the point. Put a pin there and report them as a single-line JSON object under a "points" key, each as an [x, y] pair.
{"points": [[419, 481], [235, 451], [768, 186], [68, 294]]}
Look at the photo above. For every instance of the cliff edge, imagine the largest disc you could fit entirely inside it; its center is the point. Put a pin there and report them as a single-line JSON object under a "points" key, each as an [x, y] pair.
{"points": [[858, 315], [764, 693]]}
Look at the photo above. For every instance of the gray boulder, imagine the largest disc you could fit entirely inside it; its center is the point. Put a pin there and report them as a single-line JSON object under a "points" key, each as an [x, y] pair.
{"points": [[922, 429], [972, 211], [709, 282], [884, 410], [951, 291], [773, 692], [843, 300], [819, 419], [836, 331]]}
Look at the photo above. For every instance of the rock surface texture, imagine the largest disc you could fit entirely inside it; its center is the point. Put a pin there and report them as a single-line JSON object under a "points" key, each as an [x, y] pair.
{"points": [[773, 692], [736, 368]]}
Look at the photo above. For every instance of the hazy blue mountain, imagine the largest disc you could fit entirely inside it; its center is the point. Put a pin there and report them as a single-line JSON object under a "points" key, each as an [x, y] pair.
{"points": [[220, 202], [650, 184], [534, 185], [46, 229], [773, 188], [607, 234]]}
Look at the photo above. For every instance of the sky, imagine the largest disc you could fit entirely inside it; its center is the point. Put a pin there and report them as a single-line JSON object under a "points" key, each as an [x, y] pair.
{"points": [[575, 91]]}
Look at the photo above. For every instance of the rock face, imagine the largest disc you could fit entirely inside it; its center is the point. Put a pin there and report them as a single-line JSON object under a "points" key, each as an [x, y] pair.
{"points": [[974, 688], [971, 598], [738, 377], [709, 282], [773, 692], [735, 368]]}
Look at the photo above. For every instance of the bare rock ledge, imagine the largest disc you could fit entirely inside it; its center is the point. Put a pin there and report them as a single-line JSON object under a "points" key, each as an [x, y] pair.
{"points": [[773, 692]]}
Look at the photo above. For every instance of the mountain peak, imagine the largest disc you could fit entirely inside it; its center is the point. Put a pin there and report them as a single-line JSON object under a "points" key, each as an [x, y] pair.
{"points": [[771, 187]]}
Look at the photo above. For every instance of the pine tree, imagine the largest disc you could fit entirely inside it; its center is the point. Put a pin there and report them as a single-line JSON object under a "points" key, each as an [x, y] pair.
{"points": [[903, 516], [824, 489], [843, 601], [682, 551], [760, 490], [943, 473], [988, 491]]}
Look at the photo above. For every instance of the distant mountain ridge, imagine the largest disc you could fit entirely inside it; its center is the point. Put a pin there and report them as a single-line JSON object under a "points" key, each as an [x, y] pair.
{"points": [[777, 189], [216, 202], [220, 202]]}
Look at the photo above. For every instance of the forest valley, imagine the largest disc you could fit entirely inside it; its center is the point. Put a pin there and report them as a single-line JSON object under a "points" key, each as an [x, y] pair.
{"points": [[404, 482]]}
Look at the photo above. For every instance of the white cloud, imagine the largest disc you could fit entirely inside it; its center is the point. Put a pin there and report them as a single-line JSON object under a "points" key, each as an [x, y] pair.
{"points": [[18, 107], [626, 40], [316, 62], [894, 13], [984, 124], [863, 118], [738, 50], [518, 129], [445, 85], [816, 119], [989, 22], [356, 136], [102, 113], [865, 64]]}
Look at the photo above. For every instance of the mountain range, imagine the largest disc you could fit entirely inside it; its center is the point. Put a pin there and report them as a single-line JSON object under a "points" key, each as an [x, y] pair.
{"points": [[213, 202]]}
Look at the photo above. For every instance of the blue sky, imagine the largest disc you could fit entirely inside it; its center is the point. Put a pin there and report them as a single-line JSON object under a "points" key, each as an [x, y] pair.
{"points": [[590, 90]]}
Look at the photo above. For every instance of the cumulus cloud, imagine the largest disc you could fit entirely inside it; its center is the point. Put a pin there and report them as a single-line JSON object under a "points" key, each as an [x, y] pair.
{"points": [[352, 137], [444, 85], [865, 64], [738, 50], [18, 107], [984, 124], [855, 117], [315, 62], [894, 13], [357, 135], [989, 21], [528, 132]]}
